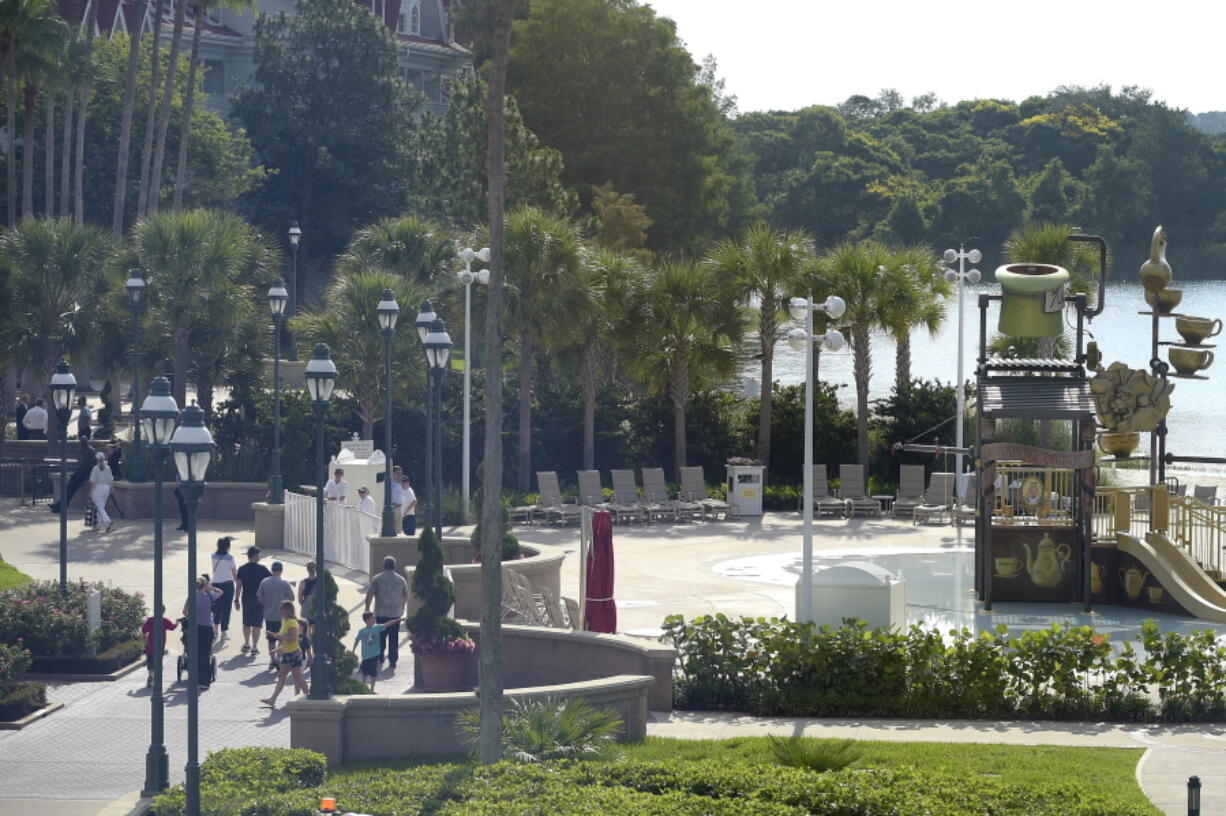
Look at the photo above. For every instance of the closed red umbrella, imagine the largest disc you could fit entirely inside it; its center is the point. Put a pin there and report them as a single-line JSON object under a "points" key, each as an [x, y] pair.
{"points": [[601, 611]]}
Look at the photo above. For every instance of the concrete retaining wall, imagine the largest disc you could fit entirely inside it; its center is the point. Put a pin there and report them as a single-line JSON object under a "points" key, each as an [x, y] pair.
{"points": [[227, 501]]}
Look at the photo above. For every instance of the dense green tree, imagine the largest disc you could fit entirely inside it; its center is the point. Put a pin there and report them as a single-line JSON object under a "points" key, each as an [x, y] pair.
{"points": [[919, 291], [407, 246], [982, 203], [1050, 198]]}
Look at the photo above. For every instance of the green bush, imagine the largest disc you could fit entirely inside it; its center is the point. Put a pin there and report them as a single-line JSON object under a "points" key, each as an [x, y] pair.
{"points": [[813, 754], [552, 728], [342, 663], [778, 667], [49, 623], [781, 497], [113, 659], [22, 699], [14, 662]]}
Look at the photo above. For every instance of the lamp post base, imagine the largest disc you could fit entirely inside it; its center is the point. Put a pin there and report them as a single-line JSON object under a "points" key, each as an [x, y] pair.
{"points": [[157, 772], [276, 492]]}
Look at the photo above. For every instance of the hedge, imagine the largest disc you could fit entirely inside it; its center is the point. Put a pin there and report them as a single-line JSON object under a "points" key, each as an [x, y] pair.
{"points": [[23, 699], [283, 783], [779, 667], [113, 659], [47, 622]]}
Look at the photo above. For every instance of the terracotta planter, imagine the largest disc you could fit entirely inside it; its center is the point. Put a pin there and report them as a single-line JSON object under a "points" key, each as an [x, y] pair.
{"points": [[441, 672]]}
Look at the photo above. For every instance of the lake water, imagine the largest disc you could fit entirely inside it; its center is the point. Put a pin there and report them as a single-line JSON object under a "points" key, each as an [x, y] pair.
{"points": [[1197, 421]]}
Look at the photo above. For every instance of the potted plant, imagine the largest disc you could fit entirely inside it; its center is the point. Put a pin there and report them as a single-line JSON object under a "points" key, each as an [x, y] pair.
{"points": [[438, 642]]}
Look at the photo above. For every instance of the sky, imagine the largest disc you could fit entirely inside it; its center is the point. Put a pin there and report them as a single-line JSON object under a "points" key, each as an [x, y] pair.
{"points": [[787, 54]]}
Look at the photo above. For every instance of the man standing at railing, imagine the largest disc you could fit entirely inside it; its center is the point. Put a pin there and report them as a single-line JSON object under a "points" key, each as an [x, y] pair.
{"points": [[337, 490], [366, 502]]}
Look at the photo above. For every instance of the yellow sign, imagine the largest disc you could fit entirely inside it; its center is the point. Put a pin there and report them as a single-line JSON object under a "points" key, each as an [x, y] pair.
{"points": [[748, 494]]}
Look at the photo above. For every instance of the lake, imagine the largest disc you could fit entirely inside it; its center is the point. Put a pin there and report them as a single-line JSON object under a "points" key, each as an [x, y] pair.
{"points": [[1197, 421]]}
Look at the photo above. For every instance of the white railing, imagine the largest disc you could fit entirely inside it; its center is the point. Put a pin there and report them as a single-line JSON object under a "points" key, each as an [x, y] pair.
{"points": [[346, 529]]}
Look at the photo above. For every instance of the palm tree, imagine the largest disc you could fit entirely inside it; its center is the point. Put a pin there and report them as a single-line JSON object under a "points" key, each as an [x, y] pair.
{"points": [[765, 264], [19, 20], [78, 197], [679, 336], [155, 64], [35, 54], [544, 272], [920, 304], [163, 124], [407, 246], [124, 151]]}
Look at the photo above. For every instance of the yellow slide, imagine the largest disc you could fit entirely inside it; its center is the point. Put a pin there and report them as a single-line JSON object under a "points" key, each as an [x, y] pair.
{"points": [[1178, 573]]}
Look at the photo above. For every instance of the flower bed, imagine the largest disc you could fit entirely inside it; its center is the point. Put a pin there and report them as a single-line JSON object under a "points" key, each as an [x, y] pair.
{"points": [[53, 627], [18, 698]]}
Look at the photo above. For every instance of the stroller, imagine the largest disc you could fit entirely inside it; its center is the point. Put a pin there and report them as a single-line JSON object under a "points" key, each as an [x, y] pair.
{"points": [[181, 666]]}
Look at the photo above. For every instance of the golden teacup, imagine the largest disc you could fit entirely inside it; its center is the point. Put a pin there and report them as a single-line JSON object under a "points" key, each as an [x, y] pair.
{"points": [[1196, 330], [1189, 361], [1155, 594], [1008, 567], [1167, 300]]}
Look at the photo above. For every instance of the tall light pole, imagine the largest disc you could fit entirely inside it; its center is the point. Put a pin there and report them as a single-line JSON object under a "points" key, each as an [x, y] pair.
{"points": [[63, 389], [295, 296], [320, 380], [278, 297], [798, 339], [158, 413], [960, 275], [136, 296], [424, 320], [438, 349], [388, 311], [468, 277], [192, 446]]}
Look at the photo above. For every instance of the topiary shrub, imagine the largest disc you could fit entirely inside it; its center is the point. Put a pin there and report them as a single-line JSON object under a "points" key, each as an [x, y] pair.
{"points": [[510, 544], [432, 630], [342, 663]]}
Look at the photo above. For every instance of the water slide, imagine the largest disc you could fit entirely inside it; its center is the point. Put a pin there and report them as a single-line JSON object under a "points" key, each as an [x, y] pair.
{"points": [[1178, 573]]}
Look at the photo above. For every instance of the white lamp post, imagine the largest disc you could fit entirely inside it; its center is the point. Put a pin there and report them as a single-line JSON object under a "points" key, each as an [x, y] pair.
{"points": [[798, 339], [468, 277], [958, 276]]}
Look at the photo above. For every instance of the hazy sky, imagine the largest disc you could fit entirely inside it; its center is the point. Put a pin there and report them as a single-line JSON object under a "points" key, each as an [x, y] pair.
{"points": [[785, 54]]}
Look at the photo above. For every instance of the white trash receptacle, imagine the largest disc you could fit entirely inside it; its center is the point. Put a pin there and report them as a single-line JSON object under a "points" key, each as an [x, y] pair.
{"points": [[857, 589], [745, 484]]}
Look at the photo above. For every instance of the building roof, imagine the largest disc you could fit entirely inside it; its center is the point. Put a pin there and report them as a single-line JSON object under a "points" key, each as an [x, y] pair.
{"points": [[1036, 398]]}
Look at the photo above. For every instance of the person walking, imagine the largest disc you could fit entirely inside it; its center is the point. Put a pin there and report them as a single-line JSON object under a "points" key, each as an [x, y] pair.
{"points": [[85, 419], [306, 602], [114, 458], [225, 573], [146, 629], [366, 502], [408, 507], [289, 632], [249, 577], [182, 504], [389, 592], [23, 405], [101, 479], [337, 490], [85, 464], [369, 638], [274, 590], [206, 596], [35, 420]]}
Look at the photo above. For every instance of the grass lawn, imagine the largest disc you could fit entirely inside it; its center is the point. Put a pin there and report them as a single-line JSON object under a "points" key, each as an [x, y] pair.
{"points": [[10, 576]]}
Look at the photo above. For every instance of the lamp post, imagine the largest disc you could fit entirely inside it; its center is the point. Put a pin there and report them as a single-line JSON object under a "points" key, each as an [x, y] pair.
{"points": [[136, 296], [958, 276], [832, 340], [388, 310], [63, 389], [295, 296], [320, 380], [158, 413], [277, 299], [468, 277], [438, 349], [424, 320], [192, 446]]}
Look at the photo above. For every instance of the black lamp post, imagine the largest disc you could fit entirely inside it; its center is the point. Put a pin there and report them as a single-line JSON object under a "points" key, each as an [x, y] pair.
{"points": [[425, 319], [1193, 796], [136, 296], [388, 310], [192, 446], [438, 349], [320, 380], [295, 296], [277, 299], [158, 414], [63, 389]]}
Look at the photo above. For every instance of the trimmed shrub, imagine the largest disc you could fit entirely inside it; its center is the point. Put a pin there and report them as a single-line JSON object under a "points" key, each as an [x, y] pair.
{"points": [[14, 662], [113, 659], [49, 623], [22, 699]]}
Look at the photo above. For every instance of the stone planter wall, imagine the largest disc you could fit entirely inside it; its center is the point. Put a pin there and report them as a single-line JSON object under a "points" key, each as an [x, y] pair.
{"points": [[225, 501]]}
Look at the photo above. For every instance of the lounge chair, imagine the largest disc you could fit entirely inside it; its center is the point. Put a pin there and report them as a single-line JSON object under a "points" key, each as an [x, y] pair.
{"points": [[551, 499], [965, 506], [524, 512], [1205, 493], [519, 605], [590, 491], [823, 502], [626, 504], [694, 489], [938, 500], [655, 491], [852, 492], [910, 490]]}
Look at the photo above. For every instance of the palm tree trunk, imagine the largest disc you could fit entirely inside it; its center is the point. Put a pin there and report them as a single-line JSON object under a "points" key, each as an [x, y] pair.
{"points": [[30, 107], [204, 394], [10, 148], [146, 156], [678, 392], [159, 150], [862, 364], [490, 655], [182, 349], [766, 338], [589, 376], [49, 158], [189, 100], [902, 363], [66, 155], [524, 439], [123, 154], [78, 202]]}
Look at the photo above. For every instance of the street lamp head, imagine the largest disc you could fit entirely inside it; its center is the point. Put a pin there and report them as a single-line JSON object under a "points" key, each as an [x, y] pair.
{"points": [[797, 339], [950, 255], [467, 277], [295, 235], [468, 255], [158, 413], [277, 298], [388, 310], [438, 345], [833, 340], [973, 276], [484, 254], [425, 319], [483, 277], [192, 446], [834, 306], [136, 286], [798, 307], [974, 256], [321, 374], [63, 386], [951, 276]]}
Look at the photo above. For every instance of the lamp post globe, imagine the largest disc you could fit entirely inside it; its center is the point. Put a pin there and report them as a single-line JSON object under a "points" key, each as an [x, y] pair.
{"points": [[388, 311], [63, 389], [320, 380], [278, 299], [424, 320]]}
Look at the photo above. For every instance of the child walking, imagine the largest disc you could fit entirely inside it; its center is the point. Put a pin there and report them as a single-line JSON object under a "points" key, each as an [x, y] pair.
{"points": [[368, 637], [291, 653], [147, 630]]}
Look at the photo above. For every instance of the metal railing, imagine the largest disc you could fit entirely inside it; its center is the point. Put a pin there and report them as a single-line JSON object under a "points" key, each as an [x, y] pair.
{"points": [[346, 529], [1028, 494], [27, 479], [1197, 527]]}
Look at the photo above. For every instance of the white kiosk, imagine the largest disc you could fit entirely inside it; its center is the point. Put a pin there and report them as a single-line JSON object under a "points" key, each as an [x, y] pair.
{"points": [[363, 465]]}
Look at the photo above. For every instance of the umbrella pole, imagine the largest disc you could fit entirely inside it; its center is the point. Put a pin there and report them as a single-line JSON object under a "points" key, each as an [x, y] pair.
{"points": [[585, 541]]}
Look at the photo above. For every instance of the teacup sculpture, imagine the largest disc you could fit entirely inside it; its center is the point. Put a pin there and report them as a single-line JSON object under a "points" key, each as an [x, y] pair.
{"points": [[1189, 361], [1166, 300], [1196, 330]]}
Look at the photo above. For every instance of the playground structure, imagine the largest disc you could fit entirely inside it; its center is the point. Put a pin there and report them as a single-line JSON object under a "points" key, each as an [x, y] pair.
{"points": [[1045, 531]]}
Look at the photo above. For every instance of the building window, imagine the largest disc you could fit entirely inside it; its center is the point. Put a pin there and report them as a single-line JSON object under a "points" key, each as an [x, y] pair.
{"points": [[402, 23], [415, 19], [214, 77]]}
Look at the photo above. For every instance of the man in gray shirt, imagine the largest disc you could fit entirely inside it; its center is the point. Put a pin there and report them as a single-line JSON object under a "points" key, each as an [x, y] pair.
{"points": [[390, 593], [273, 590]]}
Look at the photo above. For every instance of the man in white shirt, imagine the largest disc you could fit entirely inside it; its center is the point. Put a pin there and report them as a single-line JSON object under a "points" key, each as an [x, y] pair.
{"points": [[397, 490], [35, 420], [408, 508], [337, 489], [366, 502]]}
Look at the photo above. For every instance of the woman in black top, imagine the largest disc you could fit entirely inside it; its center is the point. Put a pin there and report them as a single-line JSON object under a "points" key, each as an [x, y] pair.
{"points": [[306, 603], [114, 458], [84, 420]]}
